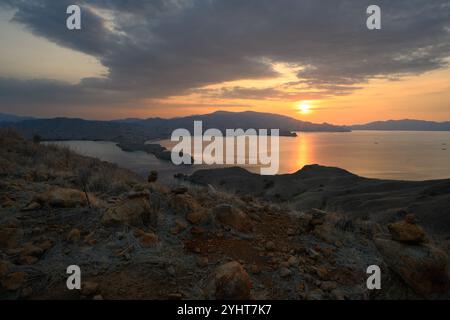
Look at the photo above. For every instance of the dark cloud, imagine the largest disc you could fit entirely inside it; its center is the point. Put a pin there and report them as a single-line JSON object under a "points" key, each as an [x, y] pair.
{"points": [[161, 48]]}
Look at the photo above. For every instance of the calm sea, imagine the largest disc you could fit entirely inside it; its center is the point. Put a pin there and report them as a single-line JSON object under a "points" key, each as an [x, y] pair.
{"points": [[404, 155]]}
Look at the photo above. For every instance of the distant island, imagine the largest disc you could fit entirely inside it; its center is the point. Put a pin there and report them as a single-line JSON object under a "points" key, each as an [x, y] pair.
{"points": [[404, 125]]}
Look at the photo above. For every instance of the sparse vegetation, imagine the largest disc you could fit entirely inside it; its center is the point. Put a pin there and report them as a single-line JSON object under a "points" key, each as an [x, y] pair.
{"points": [[59, 165], [37, 139], [153, 176], [148, 240]]}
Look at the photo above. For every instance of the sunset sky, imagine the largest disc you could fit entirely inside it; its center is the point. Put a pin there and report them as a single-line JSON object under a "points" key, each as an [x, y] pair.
{"points": [[309, 59]]}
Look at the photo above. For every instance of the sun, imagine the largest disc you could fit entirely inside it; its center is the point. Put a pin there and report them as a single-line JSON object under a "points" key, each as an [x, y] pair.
{"points": [[304, 107]]}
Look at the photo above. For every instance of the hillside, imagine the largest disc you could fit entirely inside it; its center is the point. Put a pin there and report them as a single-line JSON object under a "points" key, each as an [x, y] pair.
{"points": [[6, 117], [337, 190], [144, 240]]}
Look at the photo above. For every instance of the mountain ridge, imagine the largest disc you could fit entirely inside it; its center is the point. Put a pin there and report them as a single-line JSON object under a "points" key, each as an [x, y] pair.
{"points": [[141, 130], [404, 125]]}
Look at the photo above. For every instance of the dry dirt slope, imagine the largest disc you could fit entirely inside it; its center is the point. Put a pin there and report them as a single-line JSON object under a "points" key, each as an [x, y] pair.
{"points": [[337, 190], [141, 240]]}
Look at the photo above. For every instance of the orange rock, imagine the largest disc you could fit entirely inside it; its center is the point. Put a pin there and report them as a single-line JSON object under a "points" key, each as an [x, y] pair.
{"points": [[424, 268], [148, 239], [32, 206], [89, 239], [202, 262], [131, 211], [28, 260], [184, 204], [4, 268], [233, 217], [89, 288], [74, 235], [67, 198], [407, 232], [14, 281], [9, 237], [230, 281], [198, 216], [179, 226], [138, 232], [6, 202], [31, 250], [198, 231], [46, 245], [322, 272]]}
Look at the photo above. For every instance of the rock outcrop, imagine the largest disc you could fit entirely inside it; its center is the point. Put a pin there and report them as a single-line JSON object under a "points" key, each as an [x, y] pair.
{"points": [[184, 204], [233, 217], [230, 282], [9, 236], [407, 231], [66, 198], [135, 211], [424, 268]]}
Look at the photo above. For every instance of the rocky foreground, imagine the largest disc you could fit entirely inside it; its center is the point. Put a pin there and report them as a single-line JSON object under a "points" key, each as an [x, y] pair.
{"points": [[143, 240]]}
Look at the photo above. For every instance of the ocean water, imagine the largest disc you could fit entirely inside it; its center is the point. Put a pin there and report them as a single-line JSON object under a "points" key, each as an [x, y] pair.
{"points": [[400, 155]]}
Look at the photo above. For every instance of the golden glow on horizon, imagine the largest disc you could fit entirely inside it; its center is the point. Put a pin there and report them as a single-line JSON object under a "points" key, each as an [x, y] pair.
{"points": [[304, 107], [425, 97]]}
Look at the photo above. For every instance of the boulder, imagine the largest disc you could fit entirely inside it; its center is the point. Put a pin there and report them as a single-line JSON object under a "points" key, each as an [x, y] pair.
{"points": [[7, 202], [66, 198], [148, 239], [32, 206], [32, 250], [13, 281], [270, 246], [74, 235], [292, 261], [179, 226], [198, 216], [423, 268], [407, 232], [202, 262], [328, 286], [131, 211], [233, 217], [9, 237], [28, 260], [89, 288], [198, 231], [46, 244], [285, 272], [230, 282], [4, 268], [183, 204]]}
